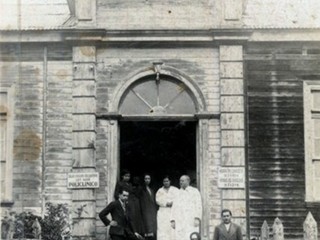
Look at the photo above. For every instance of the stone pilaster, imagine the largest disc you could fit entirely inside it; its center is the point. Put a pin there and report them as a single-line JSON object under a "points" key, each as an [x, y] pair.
{"points": [[232, 126], [84, 138]]}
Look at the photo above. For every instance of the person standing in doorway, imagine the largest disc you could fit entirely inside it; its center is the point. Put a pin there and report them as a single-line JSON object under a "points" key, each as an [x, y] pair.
{"points": [[119, 225], [186, 210], [134, 208], [164, 198], [227, 230], [124, 183], [148, 209]]}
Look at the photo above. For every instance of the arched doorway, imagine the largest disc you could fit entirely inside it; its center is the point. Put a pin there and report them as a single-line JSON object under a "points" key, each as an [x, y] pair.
{"points": [[151, 102], [158, 132]]}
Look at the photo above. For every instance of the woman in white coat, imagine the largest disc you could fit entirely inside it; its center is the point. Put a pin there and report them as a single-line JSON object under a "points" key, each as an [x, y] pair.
{"points": [[164, 198]]}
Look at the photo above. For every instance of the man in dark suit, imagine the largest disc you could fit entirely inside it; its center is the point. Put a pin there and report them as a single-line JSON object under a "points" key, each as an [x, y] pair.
{"points": [[119, 226], [227, 230]]}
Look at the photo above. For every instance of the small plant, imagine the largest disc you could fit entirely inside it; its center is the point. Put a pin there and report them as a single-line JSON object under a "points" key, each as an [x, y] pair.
{"points": [[23, 225], [55, 223], [54, 226]]}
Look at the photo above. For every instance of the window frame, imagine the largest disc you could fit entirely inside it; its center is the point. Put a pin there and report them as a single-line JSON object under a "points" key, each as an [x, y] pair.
{"points": [[151, 84], [308, 87], [8, 195]]}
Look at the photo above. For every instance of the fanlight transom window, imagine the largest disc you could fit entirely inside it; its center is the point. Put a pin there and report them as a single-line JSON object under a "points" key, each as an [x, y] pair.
{"points": [[165, 95]]}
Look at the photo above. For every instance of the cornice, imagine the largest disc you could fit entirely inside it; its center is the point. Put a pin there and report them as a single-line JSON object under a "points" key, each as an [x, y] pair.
{"points": [[209, 36], [118, 36]]}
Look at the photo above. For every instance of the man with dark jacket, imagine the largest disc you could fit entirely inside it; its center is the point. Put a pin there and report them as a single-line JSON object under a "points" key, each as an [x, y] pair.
{"points": [[119, 226], [227, 230]]}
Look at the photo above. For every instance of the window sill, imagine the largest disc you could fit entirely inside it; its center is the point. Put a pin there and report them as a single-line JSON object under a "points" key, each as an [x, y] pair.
{"points": [[7, 203]]}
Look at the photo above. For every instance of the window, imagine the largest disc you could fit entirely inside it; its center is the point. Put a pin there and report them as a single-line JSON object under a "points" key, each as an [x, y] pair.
{"points": [[164, 96], [311, 95], [6, 143]]}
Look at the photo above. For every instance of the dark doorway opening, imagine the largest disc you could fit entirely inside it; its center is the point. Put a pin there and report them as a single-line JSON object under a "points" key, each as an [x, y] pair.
{"points": [[159, 148]]}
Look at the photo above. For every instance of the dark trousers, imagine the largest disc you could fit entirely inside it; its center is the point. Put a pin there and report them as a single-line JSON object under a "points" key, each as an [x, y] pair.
{"points": [[116, 237], [150, 238]]}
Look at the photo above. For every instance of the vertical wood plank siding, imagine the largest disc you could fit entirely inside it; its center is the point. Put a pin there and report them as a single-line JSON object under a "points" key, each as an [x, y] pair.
{"points": [[22, 65], [58, 156], [23, 69], [275, 77]]}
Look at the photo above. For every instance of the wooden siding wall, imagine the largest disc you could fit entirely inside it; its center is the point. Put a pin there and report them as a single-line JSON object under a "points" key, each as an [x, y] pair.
{"points": [[25, 74], [58, 157], [32, 72], [276, 133]]}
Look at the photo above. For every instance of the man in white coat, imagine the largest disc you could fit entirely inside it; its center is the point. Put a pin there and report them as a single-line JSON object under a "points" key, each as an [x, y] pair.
{"points": [[164, 198], [186, 210]]}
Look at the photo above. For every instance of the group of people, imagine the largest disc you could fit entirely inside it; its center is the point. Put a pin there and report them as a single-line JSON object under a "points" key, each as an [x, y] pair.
{"points": [[138, 213]]}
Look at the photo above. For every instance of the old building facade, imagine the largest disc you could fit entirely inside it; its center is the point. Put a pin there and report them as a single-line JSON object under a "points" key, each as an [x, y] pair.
{"points": [[245, 91]]}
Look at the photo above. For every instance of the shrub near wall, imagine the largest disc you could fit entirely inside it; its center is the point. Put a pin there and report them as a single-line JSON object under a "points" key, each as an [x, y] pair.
{"points": [[54, 226]]}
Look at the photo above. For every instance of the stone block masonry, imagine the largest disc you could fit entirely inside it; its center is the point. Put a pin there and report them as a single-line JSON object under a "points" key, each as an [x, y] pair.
{"points": [[233, 126], [84, 139]]}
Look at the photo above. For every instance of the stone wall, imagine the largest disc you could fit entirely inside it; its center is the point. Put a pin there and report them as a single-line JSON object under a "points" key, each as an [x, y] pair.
{"points": [[233, 126], [115, 66], [151, 14]]}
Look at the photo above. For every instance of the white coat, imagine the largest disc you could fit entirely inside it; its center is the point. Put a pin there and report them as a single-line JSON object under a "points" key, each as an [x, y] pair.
{"points": [[187, 206], [163, 196]]}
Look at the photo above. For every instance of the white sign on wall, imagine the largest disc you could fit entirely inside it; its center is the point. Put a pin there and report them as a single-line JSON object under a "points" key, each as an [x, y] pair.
{"points": [[231, 177], [83, 180]]}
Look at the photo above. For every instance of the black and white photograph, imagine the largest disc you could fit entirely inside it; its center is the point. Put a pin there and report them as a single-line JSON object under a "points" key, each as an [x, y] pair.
{"points": [[160, 120]]}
